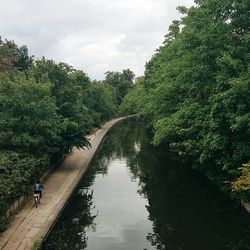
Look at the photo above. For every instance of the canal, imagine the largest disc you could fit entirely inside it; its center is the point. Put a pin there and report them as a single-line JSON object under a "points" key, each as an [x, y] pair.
{"points": [[137, 197]]}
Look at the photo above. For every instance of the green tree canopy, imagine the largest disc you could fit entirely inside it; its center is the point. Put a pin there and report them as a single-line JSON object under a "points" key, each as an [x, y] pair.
{"points": [[195, 94]]}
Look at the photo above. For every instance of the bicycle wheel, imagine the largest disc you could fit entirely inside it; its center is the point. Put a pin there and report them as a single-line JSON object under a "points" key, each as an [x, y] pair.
{"points": [[36, 201]]}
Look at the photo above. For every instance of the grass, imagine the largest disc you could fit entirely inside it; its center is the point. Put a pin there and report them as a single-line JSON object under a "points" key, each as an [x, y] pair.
{"points": [[36, 245]]}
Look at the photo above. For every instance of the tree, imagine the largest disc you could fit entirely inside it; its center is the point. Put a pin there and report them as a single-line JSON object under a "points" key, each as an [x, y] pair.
{"points": [[122, 82], [11, 56], [28, 115], [195, 94], [68, 90]]}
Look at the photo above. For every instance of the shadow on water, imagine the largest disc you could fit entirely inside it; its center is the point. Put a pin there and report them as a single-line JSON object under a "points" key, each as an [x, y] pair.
{"points": [[185, 210]]}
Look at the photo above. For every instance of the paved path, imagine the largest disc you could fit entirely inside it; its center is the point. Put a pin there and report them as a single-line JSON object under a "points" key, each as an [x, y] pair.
{"points": [[31, 224]]}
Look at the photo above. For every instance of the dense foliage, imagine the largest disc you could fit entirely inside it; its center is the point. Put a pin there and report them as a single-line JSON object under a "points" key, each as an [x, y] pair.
{"points": [[46, 109], [196, 92]]}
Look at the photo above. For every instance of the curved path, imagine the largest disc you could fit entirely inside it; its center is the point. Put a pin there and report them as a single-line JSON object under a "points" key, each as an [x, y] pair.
{"points": [[31, 224]]}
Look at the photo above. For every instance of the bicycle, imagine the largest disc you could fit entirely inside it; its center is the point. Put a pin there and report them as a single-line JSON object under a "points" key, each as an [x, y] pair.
{"points": [[36, 199], [38, 187]]}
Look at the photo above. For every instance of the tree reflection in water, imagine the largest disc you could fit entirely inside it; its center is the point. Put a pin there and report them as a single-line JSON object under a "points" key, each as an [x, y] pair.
{"points": [[187, 211], [70, 231]]}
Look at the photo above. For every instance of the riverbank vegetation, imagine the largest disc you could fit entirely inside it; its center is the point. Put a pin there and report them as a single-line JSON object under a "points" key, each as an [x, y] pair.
{"points": [[195, 95], [46, 109]]}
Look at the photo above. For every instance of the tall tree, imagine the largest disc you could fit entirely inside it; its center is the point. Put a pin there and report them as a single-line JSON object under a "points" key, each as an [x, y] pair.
{"points": [[195, 94], [121, 81]]}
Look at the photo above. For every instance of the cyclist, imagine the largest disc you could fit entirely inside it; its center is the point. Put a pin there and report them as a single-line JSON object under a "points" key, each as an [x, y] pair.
{"points": [[38, 188]]}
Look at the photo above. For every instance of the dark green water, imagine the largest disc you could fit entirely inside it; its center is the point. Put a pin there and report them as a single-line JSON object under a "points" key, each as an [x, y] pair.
{"points": [[136, 197]]}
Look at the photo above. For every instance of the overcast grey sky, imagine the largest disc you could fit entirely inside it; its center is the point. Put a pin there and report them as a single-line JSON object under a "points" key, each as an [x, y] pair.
{"points": [[92, 35]]}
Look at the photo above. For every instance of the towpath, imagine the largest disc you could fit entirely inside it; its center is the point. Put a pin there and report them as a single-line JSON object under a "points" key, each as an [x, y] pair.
{"points": [[31, 224]]}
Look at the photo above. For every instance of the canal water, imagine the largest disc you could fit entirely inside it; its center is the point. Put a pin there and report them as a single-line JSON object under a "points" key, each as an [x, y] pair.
{"points": [[137, 197]]}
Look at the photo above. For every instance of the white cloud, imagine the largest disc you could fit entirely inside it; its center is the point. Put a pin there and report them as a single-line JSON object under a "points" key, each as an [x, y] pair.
{"points": [[93, 35]]}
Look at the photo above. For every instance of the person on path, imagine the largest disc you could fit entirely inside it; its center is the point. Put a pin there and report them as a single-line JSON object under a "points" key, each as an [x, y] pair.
{"points": [[38, 188]]}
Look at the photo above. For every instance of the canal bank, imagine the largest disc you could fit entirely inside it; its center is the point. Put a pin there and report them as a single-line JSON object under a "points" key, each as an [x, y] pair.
{"points": [[31, 224]]}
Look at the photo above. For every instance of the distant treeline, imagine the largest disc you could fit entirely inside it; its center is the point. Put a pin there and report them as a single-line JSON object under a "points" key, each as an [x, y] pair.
{"points": [[46, 109], [195, 95]]}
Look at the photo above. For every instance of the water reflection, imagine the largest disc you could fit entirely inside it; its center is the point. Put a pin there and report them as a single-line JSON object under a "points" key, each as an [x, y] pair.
{"points": [[187, 211], [135, 196]]}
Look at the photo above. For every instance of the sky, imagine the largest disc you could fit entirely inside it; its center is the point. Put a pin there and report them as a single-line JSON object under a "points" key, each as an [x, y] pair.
{"points": [[95, 36]]}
